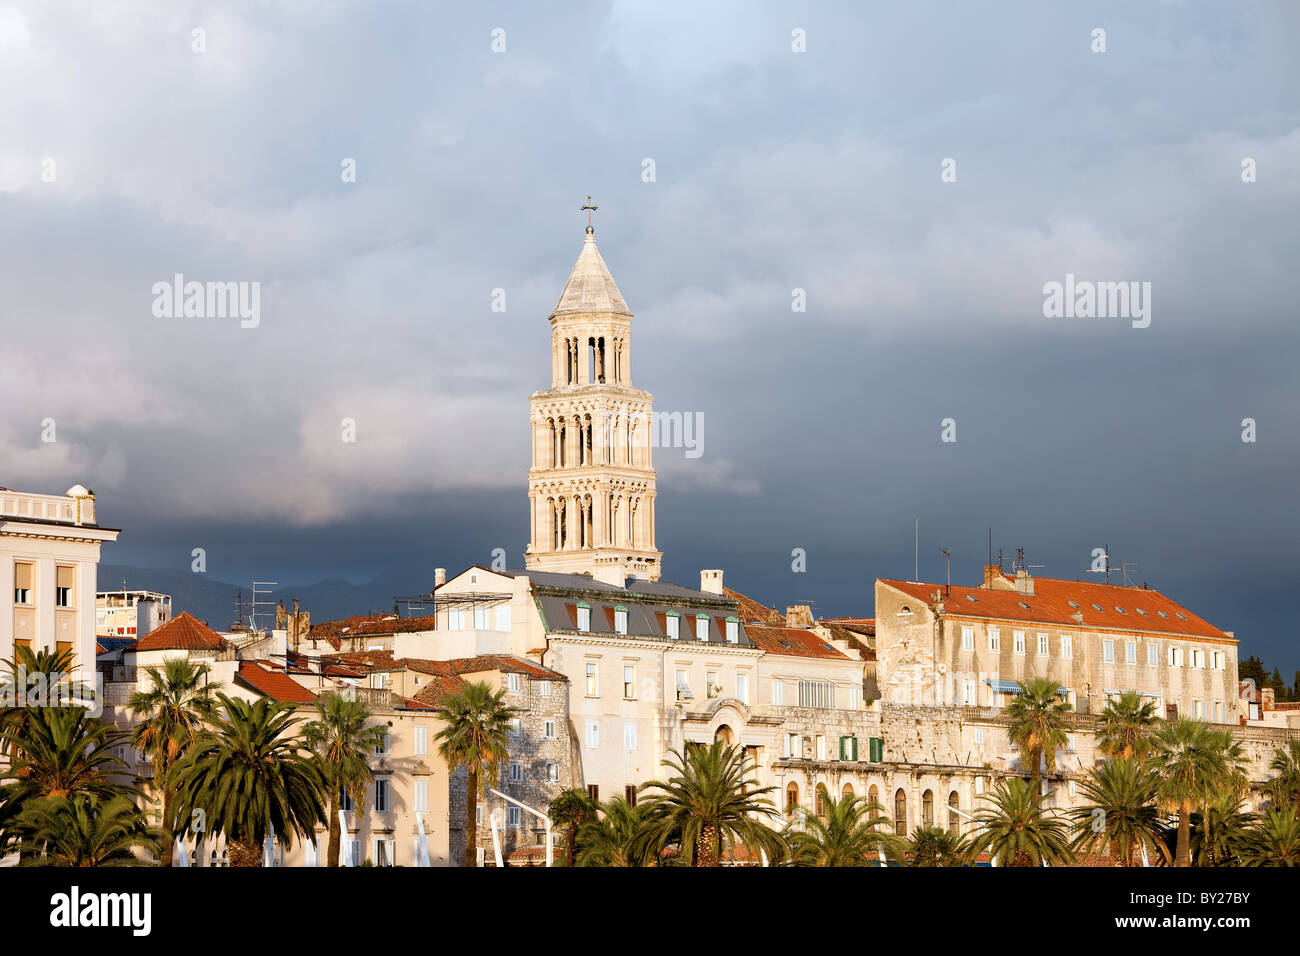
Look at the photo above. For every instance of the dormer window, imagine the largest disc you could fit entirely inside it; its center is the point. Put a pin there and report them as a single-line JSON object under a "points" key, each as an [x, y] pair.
{"points": [[620, 620], [584, 617], [733, 630], [702, 627], [672, 621]]}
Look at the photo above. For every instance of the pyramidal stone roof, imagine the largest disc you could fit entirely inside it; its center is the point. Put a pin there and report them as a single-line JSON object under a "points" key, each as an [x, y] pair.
{"points": [[590, 287]]}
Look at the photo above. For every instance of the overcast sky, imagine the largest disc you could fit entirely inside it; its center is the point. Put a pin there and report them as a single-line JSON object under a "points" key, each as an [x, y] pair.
{"points": [[774, 170]]}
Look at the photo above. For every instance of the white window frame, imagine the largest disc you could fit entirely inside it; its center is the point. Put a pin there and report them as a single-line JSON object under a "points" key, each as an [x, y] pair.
{"points": [[516, 772], [421, 795], [503, 617], [1044, 645], [1067, 646], [584, 618], [778, 693], [481, 617], [593, 679], [1108, 651], [514, 817], [512, 683], [629, 737], [456, 619], [629, 682], [620, 621], [1153, 654], [1018, 642], [672, 625], [701, 628], [1130, 652], [968, 693], [742, 687], [593, 735], [421, 745], [382, 788], [967, 637], [995, 640], [548, 729], [733, 632]]}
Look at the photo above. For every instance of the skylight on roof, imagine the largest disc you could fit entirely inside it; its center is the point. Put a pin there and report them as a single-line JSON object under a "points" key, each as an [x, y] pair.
{"points": [[1142, 612], [1024, 605], [971, 597], [1098, 607], [1181, 615], [1120, 609], [1162, 613], [1071, 603]]}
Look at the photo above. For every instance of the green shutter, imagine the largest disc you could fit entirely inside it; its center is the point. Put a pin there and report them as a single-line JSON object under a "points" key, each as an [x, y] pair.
{"points": [[875, 749], [854, 750], [844, 748]]}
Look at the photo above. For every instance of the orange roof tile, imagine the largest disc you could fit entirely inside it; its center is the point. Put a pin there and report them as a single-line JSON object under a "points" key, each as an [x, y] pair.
{"points": [[273, 684], [791, 642], [1070, 604], [182, 632]]}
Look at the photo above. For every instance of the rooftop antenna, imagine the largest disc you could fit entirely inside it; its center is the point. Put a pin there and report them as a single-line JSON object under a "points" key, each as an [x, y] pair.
{"points": [[990, 561], [266, 587], [947, 570], [916, 551], [1105, 570]]}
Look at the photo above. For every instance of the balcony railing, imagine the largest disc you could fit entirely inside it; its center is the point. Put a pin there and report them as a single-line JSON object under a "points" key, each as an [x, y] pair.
{"points": [[17, 504]]}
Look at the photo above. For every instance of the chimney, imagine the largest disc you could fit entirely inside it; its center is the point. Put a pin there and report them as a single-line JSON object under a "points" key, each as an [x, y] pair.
{"points": [[711, 582], [991, 571], [439, 577], [1266, 698], [614, 573], [798, 615], [1024, 583]]}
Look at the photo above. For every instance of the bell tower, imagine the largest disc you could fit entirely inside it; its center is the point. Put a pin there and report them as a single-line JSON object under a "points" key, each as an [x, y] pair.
{"points": [[591, 487]]}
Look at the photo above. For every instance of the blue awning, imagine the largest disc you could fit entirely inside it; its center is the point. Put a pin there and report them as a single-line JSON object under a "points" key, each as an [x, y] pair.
{"points": [[1012, 687]]}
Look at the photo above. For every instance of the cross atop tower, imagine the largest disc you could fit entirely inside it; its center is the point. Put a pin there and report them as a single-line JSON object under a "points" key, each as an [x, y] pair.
{"points": [[589, 209]]}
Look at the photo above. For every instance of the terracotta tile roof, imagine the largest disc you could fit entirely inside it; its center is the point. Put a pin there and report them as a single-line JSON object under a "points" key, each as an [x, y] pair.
{"points": [[506, 664], [858, 639], [751, 610], [272, 683], [182, 632], [1094, 606], [439, 689], [792, 642], [364, 661], [383, 626]]}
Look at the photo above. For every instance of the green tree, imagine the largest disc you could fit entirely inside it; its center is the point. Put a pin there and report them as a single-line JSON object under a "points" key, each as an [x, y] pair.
{"points": [[1126, 727], [1275, 839], [1037, 726], [1220, 831], [1119, 814], [1284, 789], [342, 742], [1191, 761], [248, 775], [848, 834], [935, 846], [43, 673], [611, 839], [171, 712], [709, 804], [570, 811], [1017, 830], [85, 830], [474, 736]]}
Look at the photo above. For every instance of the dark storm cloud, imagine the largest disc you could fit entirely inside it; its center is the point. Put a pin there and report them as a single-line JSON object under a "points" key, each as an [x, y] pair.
{"points": [[774, 171]]}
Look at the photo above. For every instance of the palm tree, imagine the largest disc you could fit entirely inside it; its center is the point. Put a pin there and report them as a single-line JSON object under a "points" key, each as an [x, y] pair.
{"points": [[1221, 831], [29, 671], [1038, 725], [1190, 761], [85, 830], [1126, 726], [1119, 812], [62, 752], [171, 712], [708, 804], [1017, 830], [247, 776], [934, 846], [1285, 787], [611, 840], [847, 834], [570, 810], [474, 737], [342, 742], [1275, 839]]}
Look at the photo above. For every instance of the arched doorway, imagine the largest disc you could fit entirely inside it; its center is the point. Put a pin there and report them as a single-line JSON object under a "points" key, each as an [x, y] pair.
{"points": [[820, 801], [847, 792], [900, 812], [927, 808], [724, 735], [954, 822], [792, 798]]}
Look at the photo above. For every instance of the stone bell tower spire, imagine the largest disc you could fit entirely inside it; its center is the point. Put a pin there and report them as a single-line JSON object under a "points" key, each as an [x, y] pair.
{"points": [[592, 483]]}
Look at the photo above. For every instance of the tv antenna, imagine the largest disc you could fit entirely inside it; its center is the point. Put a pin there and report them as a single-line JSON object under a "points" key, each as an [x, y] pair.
{"points": [[263, 588], [1123, 569], [947, 570]]}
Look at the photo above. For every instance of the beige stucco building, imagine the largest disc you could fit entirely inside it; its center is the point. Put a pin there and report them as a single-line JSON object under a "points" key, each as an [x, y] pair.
{"points": [[49, 557]]}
